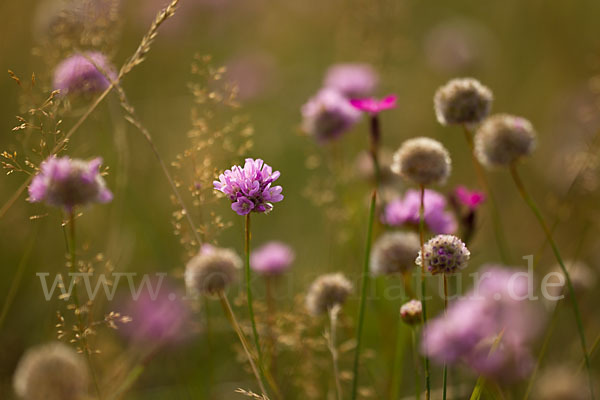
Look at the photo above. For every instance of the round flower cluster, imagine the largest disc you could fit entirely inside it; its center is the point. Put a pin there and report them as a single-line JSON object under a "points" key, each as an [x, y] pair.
{"points": [[394, 252], [250, 188], [328, 115], [83, 73], [272, 258], [423, 161], [352, 80], [52, 371], [405, 211], [503, 139], [212, 271], [326, 292], [65, 182], [411, 312], [444, 254], [462, 101]]}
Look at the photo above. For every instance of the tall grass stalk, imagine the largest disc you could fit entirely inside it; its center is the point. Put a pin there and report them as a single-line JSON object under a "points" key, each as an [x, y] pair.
{"points": [[333, 317], [534, 208], [423, 286]]}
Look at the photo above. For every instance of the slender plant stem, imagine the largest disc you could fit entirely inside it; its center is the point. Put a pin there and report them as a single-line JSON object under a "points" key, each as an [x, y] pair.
{"points": [[236, 327], [374, 140], [398, 358], [247, 236], [413, 334], [498, 228], [271, 310], [333, 316], [534, 208], [363, 293], [423, 286], [445, 312], [81, 325], [591, 352]]}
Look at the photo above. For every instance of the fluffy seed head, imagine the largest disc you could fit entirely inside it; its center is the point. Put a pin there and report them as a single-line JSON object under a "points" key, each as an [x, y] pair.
{"points": [[52, 371], [462, 101], [211, 272], [423, 161], [411, 312], [394, 252], [65, 182], [327, 291], [503, 139], [444, 254], [78, 75]]}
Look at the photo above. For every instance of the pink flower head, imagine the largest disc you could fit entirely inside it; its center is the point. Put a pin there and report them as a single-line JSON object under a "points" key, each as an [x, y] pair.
{"points": [[472, 326], [65, 182], [470, 198], [272, 258], [405, 211], [328, 115], [250, 187], [77, 74], [351, 79], [374, 106]]}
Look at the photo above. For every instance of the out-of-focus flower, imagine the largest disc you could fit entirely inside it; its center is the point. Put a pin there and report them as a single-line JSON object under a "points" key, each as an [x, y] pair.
{"points": [[423, 161], [253, 74], [444, 254], [411, 312], [462, 101], [159, 318], [52, 371], [560, 382], [328, 115], [582, 277], [78, 74], [469, 198], [250, 187], [364, 166], [65, 182], [211, 272], [394, 252], [272, 258], [489, 329], [327, 291], [373, 105], [504, 139], [351, 79], [405, 211]]}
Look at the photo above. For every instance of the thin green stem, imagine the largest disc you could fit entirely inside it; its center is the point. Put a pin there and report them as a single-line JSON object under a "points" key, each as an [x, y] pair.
{"points": [[398, 358], [236, 327], [247, 237], [81, 326], [423, 286], [363, 293], [445, 312], [333, 316], [415, 352], [496, 220], [534, 208]]}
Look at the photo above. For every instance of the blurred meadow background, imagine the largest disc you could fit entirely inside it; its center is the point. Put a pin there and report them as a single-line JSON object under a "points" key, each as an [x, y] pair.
{"points": [[540, 59]]}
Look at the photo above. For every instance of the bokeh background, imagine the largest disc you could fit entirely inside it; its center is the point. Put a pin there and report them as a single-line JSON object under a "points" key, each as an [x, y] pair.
{"points": [[541, 60]]}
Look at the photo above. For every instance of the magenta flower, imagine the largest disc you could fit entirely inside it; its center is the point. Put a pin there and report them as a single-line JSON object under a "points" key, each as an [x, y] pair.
{"points": [[250, 188], [272, 258], [65, 182], [374, 106], [77, 74], [328, 115], [470, 198], [352, 79], [405, 211], [497, 306]]}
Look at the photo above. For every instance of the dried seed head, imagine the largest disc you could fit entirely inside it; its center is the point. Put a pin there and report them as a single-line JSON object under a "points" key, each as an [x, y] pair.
{"points": [[462, 101], [582, 277], [423, 161], [211, 272], [411, 312], [503, 139], [444, 254], [394, 252], [327, 291], [51, 372]]}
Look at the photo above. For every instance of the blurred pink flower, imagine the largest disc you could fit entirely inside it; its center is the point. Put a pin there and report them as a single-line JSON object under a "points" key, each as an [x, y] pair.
{"points": [[405, 210], [373, 105], [351, 79], [470, 198], [272, 258]]}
